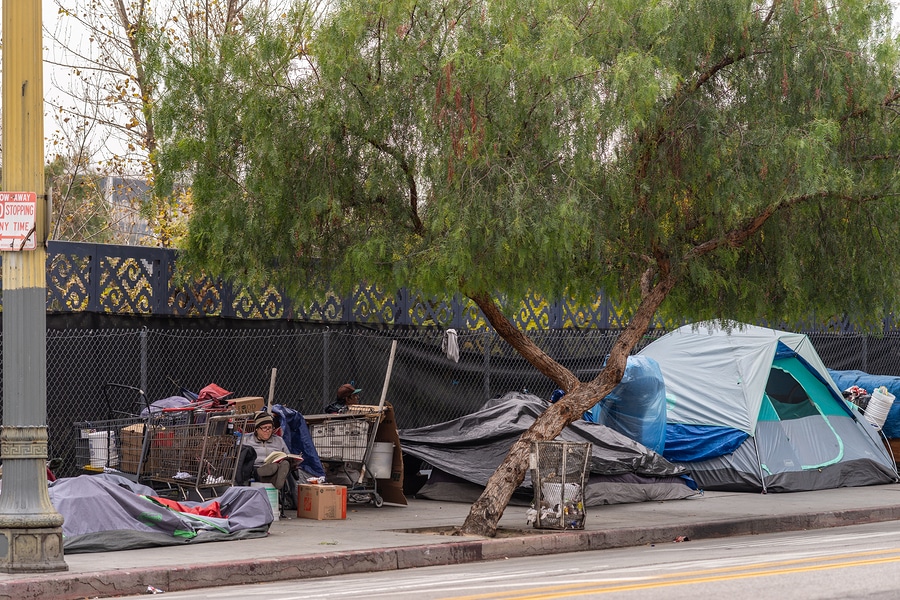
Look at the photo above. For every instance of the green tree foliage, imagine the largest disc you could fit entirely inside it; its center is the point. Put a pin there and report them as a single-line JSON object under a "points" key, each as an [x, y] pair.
{"points": [[727, 159], [113, 52]]}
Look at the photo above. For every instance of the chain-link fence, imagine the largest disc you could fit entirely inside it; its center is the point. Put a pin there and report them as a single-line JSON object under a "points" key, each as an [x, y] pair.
{"points": [[425, 387]]}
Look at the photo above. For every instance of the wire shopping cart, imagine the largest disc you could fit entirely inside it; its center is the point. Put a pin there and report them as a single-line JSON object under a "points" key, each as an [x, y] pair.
{"points": [[115, 445], [118, 442], [195, 452], [347, 439]]}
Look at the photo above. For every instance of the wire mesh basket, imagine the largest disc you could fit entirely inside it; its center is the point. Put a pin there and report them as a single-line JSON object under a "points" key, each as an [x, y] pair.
{"points": [[198, 454], [559, 471], [342, 439], [111, 445]]}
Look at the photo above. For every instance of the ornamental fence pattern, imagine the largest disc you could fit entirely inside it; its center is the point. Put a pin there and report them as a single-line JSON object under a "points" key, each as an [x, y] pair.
{"points": [[139, 281], [133, 280]]}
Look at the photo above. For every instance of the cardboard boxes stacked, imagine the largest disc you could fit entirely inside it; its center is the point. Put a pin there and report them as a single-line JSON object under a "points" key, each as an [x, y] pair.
{"points": [[321, 502], [132, 441]]}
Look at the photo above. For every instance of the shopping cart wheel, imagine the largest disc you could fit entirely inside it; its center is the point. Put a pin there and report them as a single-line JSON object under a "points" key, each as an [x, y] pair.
{"points": [[377, 500]]}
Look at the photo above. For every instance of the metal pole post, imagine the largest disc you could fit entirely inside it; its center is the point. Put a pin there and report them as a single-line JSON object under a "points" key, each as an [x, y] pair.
{"points": [[326, 368], [487, 363], [144, 360], [30, 528]]}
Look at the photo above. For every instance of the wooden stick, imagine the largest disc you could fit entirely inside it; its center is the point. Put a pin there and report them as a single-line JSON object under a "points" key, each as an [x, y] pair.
{"points": [[384, 389], [387, 376], [272, 389]]}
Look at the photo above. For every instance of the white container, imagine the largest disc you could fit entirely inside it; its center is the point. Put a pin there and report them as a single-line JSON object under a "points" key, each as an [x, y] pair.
{"points": [[272, 493], [879, 406], [104, 449], [555, 493], [381, 460]]}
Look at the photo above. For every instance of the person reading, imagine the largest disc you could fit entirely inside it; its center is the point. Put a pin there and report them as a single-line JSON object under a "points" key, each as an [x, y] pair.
{"points": [[270, 465]]}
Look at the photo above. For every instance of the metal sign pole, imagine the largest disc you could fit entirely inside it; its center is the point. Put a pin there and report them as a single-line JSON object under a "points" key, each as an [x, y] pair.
{"points": [[30, 528]]}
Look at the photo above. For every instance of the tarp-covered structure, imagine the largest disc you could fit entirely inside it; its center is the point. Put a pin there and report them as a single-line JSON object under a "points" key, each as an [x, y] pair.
{"points": [[636, 407], [754, 409], [870, 382], [106, 512], [465, 452]]}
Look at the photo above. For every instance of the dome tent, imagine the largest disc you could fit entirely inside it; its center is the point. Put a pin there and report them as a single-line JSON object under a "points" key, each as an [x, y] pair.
{"points": [[754, 409]]}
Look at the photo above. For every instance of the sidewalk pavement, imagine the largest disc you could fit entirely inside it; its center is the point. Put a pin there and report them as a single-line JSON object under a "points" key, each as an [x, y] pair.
{"points": [[396, 537]]}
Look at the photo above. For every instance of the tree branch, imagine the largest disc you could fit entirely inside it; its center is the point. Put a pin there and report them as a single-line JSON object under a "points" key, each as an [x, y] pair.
{"points": [[488, 509], [413, 208], [523, 344], [736, 237]]}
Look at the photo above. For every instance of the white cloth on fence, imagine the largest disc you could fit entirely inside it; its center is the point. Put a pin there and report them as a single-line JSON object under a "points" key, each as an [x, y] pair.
{"points": [[450, 346]]}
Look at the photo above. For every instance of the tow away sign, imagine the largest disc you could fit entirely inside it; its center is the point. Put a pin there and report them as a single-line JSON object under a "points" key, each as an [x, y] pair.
{"points": [[17, 218]]}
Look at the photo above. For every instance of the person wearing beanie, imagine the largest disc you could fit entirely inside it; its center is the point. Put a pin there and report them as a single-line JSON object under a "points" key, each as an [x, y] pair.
{"points": [[264, 441], [347, 395]]}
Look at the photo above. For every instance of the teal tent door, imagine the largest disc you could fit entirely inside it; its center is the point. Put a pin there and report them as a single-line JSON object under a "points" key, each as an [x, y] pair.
{"points": [[804, 406]]}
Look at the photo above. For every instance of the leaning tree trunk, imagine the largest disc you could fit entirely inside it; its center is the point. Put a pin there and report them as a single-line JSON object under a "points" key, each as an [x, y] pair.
{"points": [[487, 510]]}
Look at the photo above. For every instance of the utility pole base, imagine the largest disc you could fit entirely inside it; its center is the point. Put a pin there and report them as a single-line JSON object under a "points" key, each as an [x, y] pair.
{"points": [[38, 550]]}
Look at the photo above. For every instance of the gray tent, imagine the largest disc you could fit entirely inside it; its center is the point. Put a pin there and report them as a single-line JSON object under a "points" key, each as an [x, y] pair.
{"points": [[466, 451], [754, 409], [108, 512]]}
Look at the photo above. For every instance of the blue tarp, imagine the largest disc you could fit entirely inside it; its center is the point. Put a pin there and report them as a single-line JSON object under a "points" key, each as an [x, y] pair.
{"points": [[296, 435], [847, 379], [636, 407], [689, 443]]}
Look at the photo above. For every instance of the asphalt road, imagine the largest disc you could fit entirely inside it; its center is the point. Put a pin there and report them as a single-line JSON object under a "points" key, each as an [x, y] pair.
{"points": [[842, 563]]}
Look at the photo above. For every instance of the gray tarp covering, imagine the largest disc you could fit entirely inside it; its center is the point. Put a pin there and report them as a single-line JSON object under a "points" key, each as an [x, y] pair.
{"points": [[472, 447], [107, 512]]}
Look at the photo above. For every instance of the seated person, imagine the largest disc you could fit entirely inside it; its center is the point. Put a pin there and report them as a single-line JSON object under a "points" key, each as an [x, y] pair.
{"points": [[264, 441], [347, 395]]}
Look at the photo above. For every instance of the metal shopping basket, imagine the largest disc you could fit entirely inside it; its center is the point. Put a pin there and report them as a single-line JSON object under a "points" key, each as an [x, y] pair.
{"points": [[116, 445], [347, 439], [118, 442], [195, 454]]}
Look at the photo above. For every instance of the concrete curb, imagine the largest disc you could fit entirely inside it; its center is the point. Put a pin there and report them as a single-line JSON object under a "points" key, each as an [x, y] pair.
{"points": [[121, 582]]}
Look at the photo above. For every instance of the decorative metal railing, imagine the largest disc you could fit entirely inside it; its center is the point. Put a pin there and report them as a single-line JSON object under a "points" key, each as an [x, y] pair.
{"points": [[131, 280]]}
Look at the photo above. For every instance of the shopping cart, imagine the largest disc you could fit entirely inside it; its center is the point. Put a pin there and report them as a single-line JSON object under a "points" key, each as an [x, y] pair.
{"points": [[191, 451], [347, 439], [118, 442], [114, 445]]}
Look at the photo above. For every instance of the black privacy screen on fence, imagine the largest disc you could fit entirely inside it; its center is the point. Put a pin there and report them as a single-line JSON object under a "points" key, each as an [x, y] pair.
{"points": [[425, 387], [311, 361]]}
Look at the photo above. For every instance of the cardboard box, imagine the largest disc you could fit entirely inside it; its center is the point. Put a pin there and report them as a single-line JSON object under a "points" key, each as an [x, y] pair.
{"points": [[132, 438], [246, 405], [321, 502], [893, 445]]}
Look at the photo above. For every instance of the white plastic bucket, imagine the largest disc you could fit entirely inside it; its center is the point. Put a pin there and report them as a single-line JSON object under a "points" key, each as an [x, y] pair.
{"points": [[381, 460], [103, 448], [879, 406], [273, 496]]}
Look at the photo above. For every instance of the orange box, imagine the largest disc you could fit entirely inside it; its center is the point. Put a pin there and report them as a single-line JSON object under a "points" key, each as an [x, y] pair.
{"points": [[321, 502]]}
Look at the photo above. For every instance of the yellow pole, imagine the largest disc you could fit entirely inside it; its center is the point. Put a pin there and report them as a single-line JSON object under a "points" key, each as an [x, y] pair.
{"points": [[30, 528]]}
